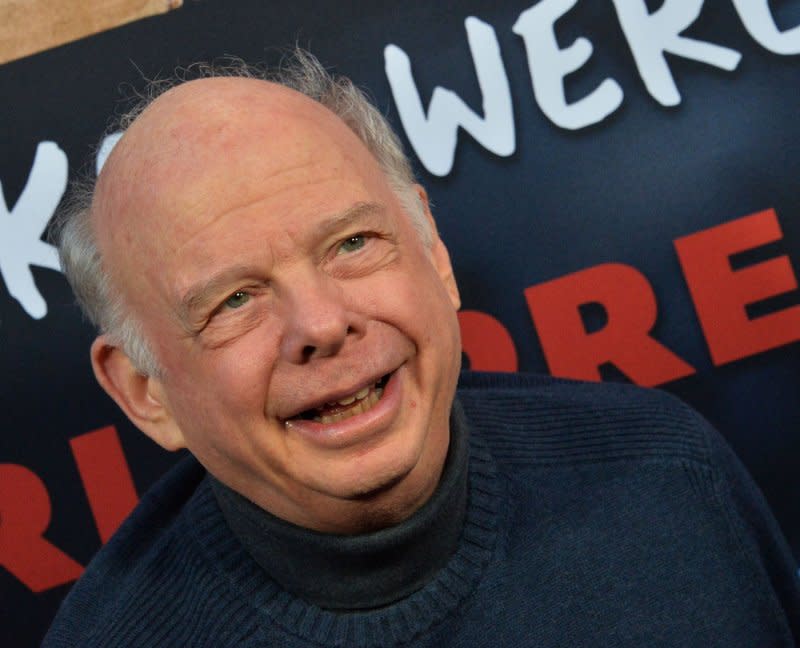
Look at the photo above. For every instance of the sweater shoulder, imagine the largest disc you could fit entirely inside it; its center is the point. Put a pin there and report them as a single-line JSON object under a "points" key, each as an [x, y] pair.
{"points": [[537, 419], [121, 569]]}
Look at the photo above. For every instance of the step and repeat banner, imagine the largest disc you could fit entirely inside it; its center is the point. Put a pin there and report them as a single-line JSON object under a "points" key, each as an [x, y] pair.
{"points": [[618, 182]]}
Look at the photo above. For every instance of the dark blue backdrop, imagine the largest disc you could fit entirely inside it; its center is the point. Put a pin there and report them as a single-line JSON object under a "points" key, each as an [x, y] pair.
{"points": [[619, 191]]}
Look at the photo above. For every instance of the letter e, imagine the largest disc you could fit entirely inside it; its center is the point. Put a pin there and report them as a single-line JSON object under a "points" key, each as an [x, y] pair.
{"points": [[720, 294], [548, 64]]}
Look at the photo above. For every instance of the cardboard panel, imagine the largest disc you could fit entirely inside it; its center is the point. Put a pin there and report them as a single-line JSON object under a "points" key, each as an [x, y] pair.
{"points": [[30, 26]]}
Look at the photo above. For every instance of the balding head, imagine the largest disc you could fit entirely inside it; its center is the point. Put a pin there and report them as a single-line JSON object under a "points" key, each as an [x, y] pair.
{"points": [[198, 141], [88, 273]]}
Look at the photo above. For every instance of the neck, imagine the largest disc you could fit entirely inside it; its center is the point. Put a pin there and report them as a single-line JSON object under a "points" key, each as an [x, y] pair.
{"points": [[363, 570]]}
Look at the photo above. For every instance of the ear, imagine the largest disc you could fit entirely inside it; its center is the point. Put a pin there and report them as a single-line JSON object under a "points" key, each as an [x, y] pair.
{"points": [[439, 253], [141, 397]]}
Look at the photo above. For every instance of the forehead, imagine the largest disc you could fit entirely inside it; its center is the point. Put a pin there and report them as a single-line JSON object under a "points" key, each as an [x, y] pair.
{"points": [[216, 136], [214, 149]]}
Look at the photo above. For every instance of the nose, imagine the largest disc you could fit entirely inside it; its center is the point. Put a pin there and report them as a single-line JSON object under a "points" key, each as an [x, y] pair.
{"points": [[318, 319]]}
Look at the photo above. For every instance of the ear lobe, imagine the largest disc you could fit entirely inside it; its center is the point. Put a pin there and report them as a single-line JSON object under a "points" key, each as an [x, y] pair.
{"points": [[141, 397], [439, 253]]}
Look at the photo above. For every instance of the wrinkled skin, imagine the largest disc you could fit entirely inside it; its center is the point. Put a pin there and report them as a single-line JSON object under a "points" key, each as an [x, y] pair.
{"points": [[272, 270]]}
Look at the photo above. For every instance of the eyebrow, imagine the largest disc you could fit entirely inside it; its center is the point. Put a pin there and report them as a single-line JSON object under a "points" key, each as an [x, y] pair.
{"points": [[200, 293], [358, 211]]}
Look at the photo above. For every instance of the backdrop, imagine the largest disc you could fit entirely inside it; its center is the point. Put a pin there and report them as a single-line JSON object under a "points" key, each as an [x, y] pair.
{"points": [[616, 181]]}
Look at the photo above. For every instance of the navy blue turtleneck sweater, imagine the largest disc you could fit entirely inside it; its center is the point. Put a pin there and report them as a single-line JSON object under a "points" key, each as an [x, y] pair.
{"points": [[568, 515]]}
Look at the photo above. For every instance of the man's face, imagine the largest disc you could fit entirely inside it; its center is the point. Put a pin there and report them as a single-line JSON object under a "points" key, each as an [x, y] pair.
{"points": [[278, 278]]}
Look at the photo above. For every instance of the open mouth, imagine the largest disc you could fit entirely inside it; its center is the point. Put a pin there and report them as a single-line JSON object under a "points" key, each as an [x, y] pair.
{"points": [[352, 405]]}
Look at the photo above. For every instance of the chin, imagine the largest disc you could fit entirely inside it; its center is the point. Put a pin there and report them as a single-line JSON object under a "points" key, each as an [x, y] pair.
{"points": [[382, 502], [378, 483], [376, 475], [375, 488]]}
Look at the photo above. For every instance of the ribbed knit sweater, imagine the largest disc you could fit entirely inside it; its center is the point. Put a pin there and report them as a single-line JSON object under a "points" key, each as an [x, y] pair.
{"points": [[596, 515]]}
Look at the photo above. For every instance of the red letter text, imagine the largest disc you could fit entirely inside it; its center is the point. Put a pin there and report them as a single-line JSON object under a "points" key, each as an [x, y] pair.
{"points": [[720, 294], [24, 517], [106, 478], [486, 342], [624, 341]]}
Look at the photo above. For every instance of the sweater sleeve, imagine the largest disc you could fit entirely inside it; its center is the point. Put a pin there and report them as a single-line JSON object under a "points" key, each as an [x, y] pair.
{"points": [[755, 526]]}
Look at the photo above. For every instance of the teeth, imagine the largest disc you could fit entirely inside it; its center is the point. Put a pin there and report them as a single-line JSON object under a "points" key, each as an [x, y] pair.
{"points": [[366, 399], [359, 395]]}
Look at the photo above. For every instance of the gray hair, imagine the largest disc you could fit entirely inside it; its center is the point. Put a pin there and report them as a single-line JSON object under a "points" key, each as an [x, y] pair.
{"points": [[72, 231]]}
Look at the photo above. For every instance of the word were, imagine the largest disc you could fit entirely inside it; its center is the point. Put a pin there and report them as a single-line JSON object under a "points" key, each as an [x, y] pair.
{"points": [[650, 37]]}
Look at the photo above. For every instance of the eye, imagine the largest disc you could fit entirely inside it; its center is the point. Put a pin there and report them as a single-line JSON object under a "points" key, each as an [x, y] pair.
{"points": [[237, 299], [352, 244]]}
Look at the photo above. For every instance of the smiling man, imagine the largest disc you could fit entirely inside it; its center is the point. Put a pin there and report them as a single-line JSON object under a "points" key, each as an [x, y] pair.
{"points": [[272, 294], [305, 334]]}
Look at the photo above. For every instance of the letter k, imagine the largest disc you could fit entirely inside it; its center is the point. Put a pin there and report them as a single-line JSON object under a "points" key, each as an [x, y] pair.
{"points": [[21, 228]]}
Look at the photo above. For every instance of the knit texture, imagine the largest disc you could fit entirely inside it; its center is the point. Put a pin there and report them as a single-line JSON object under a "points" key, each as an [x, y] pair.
{"points": [[600, 515], [367, 570]]}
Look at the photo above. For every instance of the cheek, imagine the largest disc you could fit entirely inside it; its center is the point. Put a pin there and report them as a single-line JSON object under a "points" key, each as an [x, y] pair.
{"points": [[222, 386], [419, 307], [424, 303]]}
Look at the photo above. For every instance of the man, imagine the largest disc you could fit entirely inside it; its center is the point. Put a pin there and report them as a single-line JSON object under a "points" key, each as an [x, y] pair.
{"points": [[272, 294]]}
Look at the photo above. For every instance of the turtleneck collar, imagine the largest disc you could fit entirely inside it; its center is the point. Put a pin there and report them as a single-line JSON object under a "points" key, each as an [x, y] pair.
{"points": [[365, 571]]}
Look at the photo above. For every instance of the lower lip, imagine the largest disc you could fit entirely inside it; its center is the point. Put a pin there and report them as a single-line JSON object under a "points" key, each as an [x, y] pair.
{"points": [[357, 428]]}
